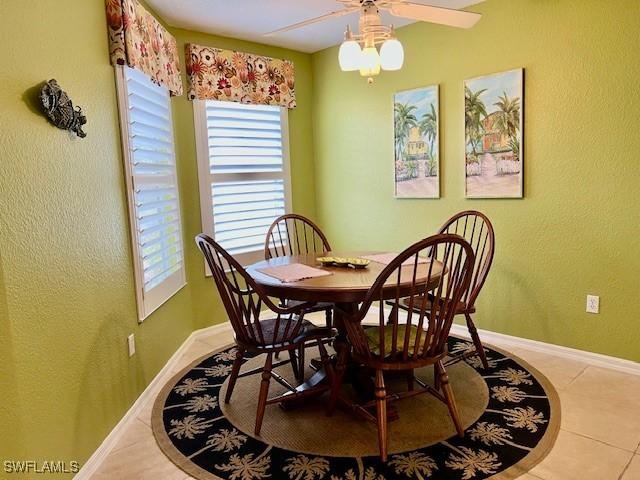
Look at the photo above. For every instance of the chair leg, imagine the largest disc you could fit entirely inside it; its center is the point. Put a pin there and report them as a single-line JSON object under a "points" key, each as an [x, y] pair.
{"points": [[326, 361], [437, 384], [294, 364], [328, 315], [476, 341], [381, 414], [393, 312], [264, 390], [338, 374], [410, 381], [301, 361], [235, 371], [449, 397]]}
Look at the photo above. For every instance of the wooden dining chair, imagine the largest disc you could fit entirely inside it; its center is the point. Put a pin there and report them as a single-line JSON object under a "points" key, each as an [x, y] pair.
{"points": [[293, 234], [476, 228], [415, 337], [284, 329]]}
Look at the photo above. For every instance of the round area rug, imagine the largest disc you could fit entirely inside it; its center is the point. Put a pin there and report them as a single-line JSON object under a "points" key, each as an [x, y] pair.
{"points": [[510, 412]]}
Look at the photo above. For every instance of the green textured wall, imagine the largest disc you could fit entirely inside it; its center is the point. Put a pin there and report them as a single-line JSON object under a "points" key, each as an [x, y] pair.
{"points": [[577, 230], [68, 294], [67, 299]]}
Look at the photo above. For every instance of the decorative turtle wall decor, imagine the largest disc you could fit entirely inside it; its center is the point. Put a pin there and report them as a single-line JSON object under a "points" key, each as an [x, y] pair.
{"points": [[59, 109]]}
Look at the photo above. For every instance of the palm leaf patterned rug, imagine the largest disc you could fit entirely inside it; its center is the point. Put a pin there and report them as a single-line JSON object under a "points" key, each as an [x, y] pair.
{"points": [[510, 411]]}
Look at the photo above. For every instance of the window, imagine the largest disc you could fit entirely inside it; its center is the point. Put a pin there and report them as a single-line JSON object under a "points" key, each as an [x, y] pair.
{"points": [[152, 188], [243, 165]]}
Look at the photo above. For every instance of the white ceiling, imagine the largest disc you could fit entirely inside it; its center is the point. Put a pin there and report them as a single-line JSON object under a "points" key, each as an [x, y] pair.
{"points": [[251, 19]]}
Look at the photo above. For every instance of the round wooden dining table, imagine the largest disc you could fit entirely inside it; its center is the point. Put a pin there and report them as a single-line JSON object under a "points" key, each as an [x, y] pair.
{"points": [[346, 287]]}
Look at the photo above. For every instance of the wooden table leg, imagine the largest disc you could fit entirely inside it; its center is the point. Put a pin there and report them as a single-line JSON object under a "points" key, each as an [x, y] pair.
{"points": [[318, 383]]}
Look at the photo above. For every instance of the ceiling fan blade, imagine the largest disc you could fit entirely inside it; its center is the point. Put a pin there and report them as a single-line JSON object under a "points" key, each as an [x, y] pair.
{"points": [[443, 16], [327, 16]]}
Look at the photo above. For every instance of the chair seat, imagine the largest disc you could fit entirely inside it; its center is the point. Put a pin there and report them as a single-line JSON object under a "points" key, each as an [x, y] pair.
{"points": [[417, 304], [373, 338], [273, 336]]}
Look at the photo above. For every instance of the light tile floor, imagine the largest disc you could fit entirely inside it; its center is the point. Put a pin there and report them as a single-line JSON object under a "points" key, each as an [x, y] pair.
{"points": [[599, 437]]}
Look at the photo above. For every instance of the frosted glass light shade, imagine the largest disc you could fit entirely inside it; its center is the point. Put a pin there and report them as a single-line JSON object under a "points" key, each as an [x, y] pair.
{"points": [[349, 56], [391, 55], [369, 62]]}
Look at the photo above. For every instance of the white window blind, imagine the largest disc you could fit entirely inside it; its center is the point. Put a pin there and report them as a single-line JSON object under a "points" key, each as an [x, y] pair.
{"points": [[244, 174], [152, 187]]}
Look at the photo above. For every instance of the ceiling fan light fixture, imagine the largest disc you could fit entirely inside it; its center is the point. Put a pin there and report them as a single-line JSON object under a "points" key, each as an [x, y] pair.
{"points": [[391, 55], [369, 62], [358, 50]]}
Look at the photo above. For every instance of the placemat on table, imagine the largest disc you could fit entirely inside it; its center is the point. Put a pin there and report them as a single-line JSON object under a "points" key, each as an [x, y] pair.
{"points": [[293, 272]]}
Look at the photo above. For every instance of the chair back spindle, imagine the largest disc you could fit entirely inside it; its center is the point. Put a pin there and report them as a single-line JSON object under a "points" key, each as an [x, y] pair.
{"points": [[476, 229], [294, 234]]}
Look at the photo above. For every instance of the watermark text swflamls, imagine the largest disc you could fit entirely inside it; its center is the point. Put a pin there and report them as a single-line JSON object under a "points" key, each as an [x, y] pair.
{"points": [[41, 467]]}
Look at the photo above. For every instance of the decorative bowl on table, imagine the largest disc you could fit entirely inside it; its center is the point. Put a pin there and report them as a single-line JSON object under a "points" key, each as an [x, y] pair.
{"points": [[358, 262], [343, 262], [326, 261]]}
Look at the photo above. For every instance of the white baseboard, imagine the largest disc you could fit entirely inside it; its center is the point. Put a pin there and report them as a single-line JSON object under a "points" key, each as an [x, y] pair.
{"points": [[92, 464], [498, 339], [593, 359]]}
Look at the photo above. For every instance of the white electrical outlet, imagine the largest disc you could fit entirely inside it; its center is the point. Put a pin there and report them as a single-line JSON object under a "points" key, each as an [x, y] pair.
{"points": [[593, 304], [131, 342]]}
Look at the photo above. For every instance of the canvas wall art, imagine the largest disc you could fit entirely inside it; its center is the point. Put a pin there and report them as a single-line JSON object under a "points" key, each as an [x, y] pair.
{"points": [[493, 135], [416, 143]]}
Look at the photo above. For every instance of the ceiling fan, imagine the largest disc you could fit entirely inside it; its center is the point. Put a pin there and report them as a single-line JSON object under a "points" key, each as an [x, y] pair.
{"points": [[359, 52]]}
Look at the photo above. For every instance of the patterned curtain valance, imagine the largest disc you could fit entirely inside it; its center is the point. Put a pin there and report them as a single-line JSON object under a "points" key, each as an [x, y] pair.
{"points": [[138, 40], [216, 74]]}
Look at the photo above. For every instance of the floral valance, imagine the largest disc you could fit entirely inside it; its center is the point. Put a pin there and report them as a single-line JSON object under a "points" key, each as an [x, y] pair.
{"points": [[138, 40], [216, 74]]}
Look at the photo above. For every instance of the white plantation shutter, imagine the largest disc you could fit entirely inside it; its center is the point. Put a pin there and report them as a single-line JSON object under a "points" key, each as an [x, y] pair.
{"points": [[152, 184], [244, 174]]}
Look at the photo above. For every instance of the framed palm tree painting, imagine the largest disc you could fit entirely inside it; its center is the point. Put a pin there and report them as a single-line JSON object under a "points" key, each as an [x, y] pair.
{"points": [[416, 121], [493, 123]]}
